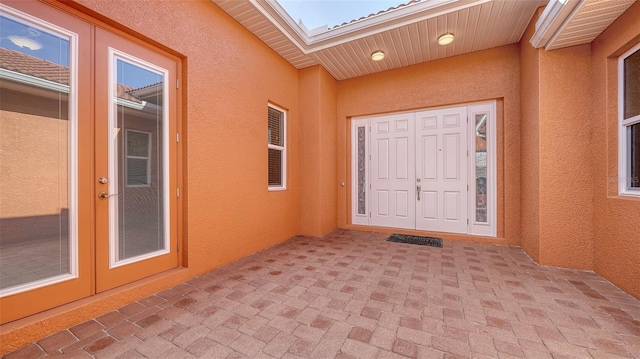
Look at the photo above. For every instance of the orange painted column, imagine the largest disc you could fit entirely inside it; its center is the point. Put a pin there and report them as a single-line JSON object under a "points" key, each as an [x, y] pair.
{"points": [[318, 152], [557, 207]]}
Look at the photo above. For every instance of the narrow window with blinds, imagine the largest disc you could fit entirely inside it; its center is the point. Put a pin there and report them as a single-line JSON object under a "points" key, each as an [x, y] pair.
{"points": [[277, 148]]}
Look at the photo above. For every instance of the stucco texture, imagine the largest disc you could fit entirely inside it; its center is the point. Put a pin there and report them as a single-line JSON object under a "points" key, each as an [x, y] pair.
{"points": [[529, 145], [485, 75], [557, 215], [318, 152], [616, 222]]}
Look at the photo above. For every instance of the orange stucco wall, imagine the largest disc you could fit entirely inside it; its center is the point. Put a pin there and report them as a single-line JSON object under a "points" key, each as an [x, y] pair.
{"points": [[566, 212], [229, 78], [485, 75], [318, 152], [529, 145], [616, 219], [557, 214]]}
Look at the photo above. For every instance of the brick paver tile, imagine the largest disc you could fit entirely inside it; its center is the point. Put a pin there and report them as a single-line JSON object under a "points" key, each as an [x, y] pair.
{"points": [[279, 345], [55, 342], [27, 352], [360, 334], [405, 348], [86, 329], [111, 318], [247, 345], [200, 346], [383, 338], [154, 347]]}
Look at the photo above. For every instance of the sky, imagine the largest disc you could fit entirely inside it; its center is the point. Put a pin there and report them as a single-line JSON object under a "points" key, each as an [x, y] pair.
{"points": [[316, 13]]}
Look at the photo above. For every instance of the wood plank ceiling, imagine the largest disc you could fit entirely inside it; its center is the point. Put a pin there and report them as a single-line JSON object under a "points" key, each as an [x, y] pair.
{"points": [[589, 19]]}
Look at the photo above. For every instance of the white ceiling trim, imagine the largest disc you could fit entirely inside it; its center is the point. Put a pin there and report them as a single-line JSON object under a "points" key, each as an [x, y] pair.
{"points": [[310, 41], [565, 23], [552, 18]]}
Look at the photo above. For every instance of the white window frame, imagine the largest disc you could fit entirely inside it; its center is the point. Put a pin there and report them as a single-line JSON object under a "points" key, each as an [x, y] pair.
{"points": [[282, 149], [147, 158], [114, 259], [624, 145]]}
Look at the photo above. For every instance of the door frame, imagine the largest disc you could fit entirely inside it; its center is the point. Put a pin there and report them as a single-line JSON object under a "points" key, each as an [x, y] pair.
{"points": [[360, 201]]}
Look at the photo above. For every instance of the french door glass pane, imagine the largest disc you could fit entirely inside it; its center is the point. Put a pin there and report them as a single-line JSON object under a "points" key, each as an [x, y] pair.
{"points": [[36, 142], [138, 219]]}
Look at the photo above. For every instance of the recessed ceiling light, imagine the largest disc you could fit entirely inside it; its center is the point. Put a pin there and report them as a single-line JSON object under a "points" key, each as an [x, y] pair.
{"points": [[377, 55], [445, 39], [25, 42]]}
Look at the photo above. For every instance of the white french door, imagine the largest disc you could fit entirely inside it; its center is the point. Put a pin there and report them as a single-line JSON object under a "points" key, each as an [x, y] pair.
{"points": [[441, 170], [393, 171], [431, 170]]}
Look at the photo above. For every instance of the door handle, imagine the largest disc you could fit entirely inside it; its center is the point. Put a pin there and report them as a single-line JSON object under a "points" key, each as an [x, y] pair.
{"points": [[418, 190], [104, 195]]}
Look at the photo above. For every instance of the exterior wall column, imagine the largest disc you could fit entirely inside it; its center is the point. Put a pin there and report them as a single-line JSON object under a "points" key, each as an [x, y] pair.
{"points": [[318, 152]]}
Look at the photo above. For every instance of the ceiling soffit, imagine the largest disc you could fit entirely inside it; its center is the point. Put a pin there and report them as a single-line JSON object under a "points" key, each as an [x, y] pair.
{"points": [[407, 34]]}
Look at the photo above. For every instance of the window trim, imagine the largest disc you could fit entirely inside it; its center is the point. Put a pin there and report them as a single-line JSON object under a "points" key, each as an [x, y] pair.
{"points": [[624, 174], [147, 158], [282, 149]]}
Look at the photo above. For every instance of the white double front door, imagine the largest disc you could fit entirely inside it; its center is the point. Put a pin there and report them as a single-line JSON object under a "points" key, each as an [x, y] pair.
{"points": [[418, 170]]}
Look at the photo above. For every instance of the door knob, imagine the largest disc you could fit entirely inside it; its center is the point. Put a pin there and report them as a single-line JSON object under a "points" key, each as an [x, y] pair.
{"points": [[104, 195], [103, 180], [418, 190]]}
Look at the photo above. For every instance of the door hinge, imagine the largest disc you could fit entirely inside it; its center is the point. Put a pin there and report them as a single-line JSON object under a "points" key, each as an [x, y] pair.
{"points": [[369, 214], [369, 185], [467, 221], [178, 246], [177, 137], [177, 83], [177, 192], [467, 188]]}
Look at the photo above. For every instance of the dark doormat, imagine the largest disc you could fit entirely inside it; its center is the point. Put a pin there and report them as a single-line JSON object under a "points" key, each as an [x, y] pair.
{"points": [[422, 241]]}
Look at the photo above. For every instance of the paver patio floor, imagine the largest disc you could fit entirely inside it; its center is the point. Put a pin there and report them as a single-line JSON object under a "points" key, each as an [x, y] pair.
{"points": [[351, 294]]}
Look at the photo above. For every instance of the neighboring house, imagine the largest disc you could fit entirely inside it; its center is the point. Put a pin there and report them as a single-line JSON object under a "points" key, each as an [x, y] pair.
{"points": [[136, 153]]}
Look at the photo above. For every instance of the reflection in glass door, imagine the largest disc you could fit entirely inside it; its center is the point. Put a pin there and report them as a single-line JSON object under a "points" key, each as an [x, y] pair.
{"points": [[37, 144], [137, 155]]}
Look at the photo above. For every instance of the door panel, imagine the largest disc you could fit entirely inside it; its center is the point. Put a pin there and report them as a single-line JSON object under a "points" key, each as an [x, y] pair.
{"points": [[392, 171], [135, 119], [441, 168], [45, 159]]}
